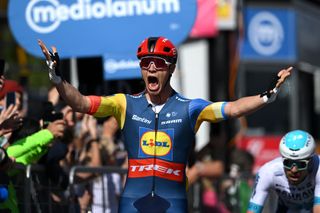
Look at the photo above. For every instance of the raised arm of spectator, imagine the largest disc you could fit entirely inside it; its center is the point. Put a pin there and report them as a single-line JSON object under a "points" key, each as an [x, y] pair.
{"points": [[9, 120], [29, 149], [89, 126], [247, 105], [69, 93]]}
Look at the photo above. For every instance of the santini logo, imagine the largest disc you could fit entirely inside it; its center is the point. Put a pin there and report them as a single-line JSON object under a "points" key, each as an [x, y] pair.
{"points": [[45, 16]]}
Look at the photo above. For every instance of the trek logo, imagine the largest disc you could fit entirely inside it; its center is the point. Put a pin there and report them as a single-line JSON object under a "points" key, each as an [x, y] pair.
{"points": [[45, 16], [161, 146], [156, 167]]}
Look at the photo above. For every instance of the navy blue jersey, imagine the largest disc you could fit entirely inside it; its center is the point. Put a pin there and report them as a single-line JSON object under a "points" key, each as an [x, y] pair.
{"points": [[158, 144]]}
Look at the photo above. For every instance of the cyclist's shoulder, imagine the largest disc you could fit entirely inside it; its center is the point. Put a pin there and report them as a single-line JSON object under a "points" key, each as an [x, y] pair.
{"points": [[272, 168], [180, 98]]}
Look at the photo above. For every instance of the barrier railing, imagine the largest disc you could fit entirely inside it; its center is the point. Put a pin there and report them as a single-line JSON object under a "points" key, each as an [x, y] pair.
{"points": [[95, 170], [29, 203]]}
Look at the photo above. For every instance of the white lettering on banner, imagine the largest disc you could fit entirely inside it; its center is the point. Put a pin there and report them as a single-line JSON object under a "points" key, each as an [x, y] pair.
{"points": [[45, 16], [156, 167], [112, 65]]}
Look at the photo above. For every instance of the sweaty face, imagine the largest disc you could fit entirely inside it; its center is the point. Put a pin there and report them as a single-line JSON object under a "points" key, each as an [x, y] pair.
{"points": [[155, 72]]}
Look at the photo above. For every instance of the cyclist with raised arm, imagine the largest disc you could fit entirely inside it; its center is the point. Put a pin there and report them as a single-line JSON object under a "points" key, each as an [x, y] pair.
{"points": [[158, 125], [294, 177]]}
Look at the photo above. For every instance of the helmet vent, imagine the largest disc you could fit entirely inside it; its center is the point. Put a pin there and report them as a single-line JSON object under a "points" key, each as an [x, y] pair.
{"points": [[152, 43], [166, 49]]}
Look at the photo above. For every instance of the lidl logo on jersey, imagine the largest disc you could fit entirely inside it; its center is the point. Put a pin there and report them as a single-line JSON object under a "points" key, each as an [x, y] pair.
{"points": [[95, 27], [158, 143]]}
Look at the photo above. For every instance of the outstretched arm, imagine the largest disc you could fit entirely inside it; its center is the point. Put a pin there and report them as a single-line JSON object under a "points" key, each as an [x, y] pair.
{"points": [[247, 105], [69, 93]]}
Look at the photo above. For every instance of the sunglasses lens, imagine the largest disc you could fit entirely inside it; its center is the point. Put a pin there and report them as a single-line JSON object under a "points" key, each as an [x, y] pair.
{"points": [[144, 62], [158, 62], [301, 165]]}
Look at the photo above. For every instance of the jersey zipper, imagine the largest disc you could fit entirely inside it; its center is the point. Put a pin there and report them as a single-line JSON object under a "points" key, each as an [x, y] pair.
{"points": [[155, 152]]}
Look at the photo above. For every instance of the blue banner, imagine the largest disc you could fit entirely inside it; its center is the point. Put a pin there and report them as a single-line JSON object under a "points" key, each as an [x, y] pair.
{"points": [[270, 35], [81, 28], [122, 66]]}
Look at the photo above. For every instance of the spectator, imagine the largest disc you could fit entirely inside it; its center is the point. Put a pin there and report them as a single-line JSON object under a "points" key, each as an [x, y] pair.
{"points": [[107, 187], [5, 164], [236, 189]]}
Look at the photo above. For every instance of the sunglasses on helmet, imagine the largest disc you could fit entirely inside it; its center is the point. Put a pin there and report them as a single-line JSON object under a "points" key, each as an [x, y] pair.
{"points": [[160, 63], [300, 164]]}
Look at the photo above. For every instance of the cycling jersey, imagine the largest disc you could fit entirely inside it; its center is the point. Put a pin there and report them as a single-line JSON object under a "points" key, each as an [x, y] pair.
{"points": [[291, 198], [158, 144]]}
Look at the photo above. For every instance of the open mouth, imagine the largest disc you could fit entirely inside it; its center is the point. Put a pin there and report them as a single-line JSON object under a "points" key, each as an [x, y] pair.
{"points": [[295, 177], [153, 83]]}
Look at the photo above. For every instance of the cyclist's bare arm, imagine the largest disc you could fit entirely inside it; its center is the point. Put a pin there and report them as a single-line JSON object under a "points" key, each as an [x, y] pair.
{"points": [[247, 105], [69, 93], [73, 97]]}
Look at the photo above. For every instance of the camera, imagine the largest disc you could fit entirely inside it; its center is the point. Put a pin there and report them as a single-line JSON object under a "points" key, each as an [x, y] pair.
{"points": [[2, 63], [10, 99], [49, 114]]}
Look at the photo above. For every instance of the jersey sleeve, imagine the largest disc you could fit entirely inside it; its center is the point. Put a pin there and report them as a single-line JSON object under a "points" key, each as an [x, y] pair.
{"points": [[30, 143], [114, 105], [201, 110], [317, 186], [260, 190]]}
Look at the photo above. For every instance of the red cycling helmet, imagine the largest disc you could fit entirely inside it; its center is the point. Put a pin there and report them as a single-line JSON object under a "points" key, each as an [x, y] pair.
{"points": [[158, 46]]}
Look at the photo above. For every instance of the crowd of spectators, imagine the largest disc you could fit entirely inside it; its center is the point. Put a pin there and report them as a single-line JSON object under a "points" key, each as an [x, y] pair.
{"points": [[57, 139]]}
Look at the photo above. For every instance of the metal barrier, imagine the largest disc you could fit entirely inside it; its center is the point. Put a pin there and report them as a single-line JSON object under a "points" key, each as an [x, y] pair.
{"points": [[194, 193], [95, 170], [30, 191], [28, 185]]}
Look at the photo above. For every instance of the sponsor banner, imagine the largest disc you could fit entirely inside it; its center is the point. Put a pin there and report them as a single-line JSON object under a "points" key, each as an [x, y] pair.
{"points": [[82, 28], [263, 148], [121, 66], [162, 147], [270, 34], [206, 20], [156, 167]]}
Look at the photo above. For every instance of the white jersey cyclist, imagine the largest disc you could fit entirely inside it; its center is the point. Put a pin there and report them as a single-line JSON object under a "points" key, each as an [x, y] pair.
{"points": [[294, 177]]}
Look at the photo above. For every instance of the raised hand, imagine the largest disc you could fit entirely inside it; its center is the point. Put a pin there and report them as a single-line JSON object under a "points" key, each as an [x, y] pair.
{"points": [[92, 125], [271, 93], [57, 128], [53, 62], [283, 75], [9, 119]]}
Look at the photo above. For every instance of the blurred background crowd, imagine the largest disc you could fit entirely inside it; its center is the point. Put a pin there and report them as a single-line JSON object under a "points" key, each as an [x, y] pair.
{"points": [[38, 129]]}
